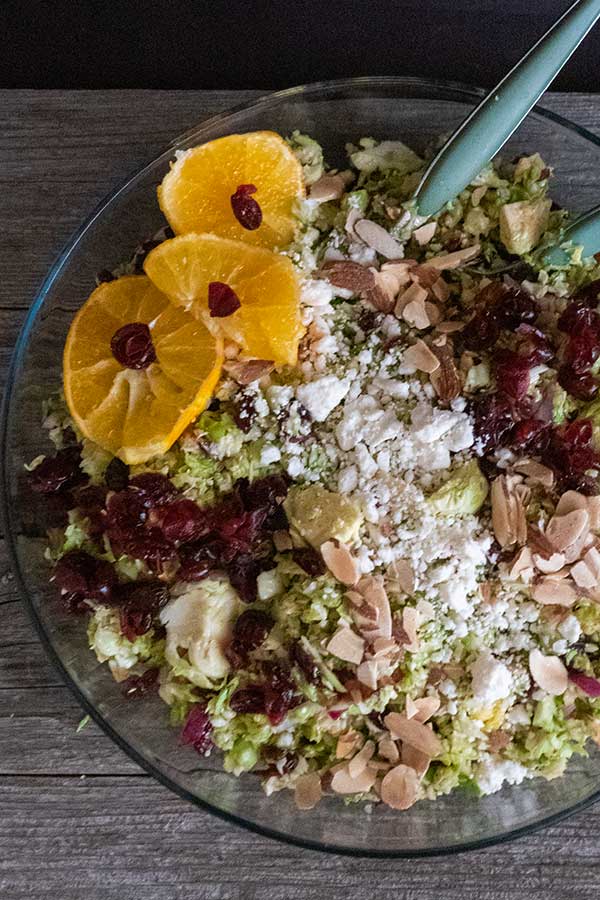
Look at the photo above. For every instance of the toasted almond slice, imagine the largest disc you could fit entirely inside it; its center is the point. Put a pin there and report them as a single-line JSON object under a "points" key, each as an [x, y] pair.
{"points": [[380, 240], [415, 759], [348, 743], [358, 763], [340, 562], [434, 313], [414, 733], [426, 275], [421, 357], [355, 598], [389, 284], [440, 290], [564, 530], [372, 589], [410, 709], [354, 216], [401, 268], [508, 515], [569, 501], [245, 371], [583, 576], [282, 541], [388, 749], [379, 765], [445, 380], [402, 571], [449, 327], [384, 647], [413, 293], [424, 233], [368, 673], [552, 591], [327, 187], [453, 260], [593, 508], [347, 645], [400, 787], [535, 472], [410, 624], [548, 566], [498, 740], [548, 672], [308, 791], [592, 560], [426, 707], [342, 783], [522, 562], [426, 610], [415, 314]]}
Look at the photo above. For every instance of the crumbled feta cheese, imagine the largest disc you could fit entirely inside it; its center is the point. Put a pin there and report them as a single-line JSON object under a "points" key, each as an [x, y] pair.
{"points": [[269, 454], [491, 679], [321, 396], [269, 584], [569, 629], [493, 773]]}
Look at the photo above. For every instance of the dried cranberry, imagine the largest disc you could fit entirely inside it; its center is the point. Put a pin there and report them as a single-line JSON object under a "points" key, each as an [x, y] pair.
{"points": [[280, 691], [482, 331], [582, 386], [589, 293], [197, 561], [222, 300], [139, 685], [244, 412], [243, 572], [309, 560], [583, 348], [571, 453], [516, 307], [533, 345], [249, 632], [576, 315], [531, 434], [139, 603], [279, 765], [57, 473], [245, 208], [493, 421], [242, 530], [512, 373], [125, 514], [305, 662], [262, 493], [77, 572], [197, 730], [132, 346], [181, 521], [153, 488], [116, 476], [248, 700]]}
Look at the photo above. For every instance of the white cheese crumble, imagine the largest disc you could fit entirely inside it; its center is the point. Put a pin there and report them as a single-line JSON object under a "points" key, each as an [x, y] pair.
{"points": [[491, 680]]}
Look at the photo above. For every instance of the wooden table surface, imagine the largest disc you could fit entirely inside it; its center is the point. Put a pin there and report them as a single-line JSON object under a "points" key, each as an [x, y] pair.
{"points": [[78, 819]]}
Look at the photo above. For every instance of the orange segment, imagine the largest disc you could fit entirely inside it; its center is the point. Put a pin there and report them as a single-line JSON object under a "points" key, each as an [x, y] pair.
{"points": [[267, 325], [196, 193], [138, 413]]}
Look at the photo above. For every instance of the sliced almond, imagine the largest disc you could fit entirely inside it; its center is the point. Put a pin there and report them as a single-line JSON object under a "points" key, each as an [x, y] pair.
{"points": [[245, 371], [415, 314], [548, 672], [346, 645], [388, 749], [570, 501], [402, 571], [583, 576], [550, 565], [521, 563], [426, 610], [424, 233], [414, 293], [410, 624], [555, 592], [535, 472], [358, 763], [340, 562], [368, 673], [445, 380], [434, 313], [564, 530], [440, 290], [384, 647], [453, 260], [415, 759], [414, 733], [508, 515], [449, 327], [400, 787], [327, 187], [426, 707], [593, 508], [349, 275], [347, 744], [380, 240], [498, 740], [400, 268], [426, 275], [421, 357], [372, 589], [592, 561], [308, 791], [354, 216], [410, 708], [343, 783], [389, 284]]}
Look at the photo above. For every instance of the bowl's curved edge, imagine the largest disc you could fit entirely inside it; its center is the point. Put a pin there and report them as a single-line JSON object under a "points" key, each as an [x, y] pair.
{"points": [[470, 93]]}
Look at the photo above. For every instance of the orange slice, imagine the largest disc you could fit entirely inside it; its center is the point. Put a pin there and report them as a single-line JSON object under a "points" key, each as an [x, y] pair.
{"points": [[138, 413], [196, 193], [267, 324]]}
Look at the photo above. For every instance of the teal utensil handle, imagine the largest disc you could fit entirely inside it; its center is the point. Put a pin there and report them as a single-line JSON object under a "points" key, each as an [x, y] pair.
{"points": [[490, 125], [584, 232]]}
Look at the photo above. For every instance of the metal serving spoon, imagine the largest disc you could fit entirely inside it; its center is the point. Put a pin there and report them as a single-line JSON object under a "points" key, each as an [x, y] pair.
{"points": [[485, 131]]}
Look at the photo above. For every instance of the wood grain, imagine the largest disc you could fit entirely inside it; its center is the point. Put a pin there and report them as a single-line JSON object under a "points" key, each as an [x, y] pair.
{"points": [[78, 819]]}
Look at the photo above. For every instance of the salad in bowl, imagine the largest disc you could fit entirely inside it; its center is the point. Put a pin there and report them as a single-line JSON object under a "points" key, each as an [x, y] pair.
{"points": [[329, 473]]}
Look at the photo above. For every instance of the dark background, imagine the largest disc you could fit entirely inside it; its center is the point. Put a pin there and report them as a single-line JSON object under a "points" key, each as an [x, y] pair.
{"points": [[273, 43]]}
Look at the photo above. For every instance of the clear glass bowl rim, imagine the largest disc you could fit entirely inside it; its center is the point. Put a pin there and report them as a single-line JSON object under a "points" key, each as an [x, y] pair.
{"points": [[460, 92]]}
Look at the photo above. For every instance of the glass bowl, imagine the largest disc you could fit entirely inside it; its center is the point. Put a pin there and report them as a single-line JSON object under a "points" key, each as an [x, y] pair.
{"points": [[334, 113]]}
